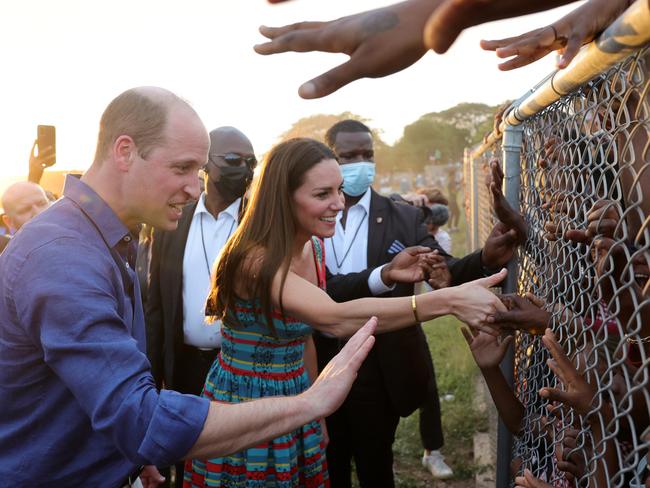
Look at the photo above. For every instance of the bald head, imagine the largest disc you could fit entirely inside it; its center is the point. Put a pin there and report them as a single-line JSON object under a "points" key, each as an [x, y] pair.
{"points": [[227, 139], [141, 113], [21, 202]]}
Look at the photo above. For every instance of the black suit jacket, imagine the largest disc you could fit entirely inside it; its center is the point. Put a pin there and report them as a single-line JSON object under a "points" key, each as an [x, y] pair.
{"points": [[164, 310], [398, 359]]}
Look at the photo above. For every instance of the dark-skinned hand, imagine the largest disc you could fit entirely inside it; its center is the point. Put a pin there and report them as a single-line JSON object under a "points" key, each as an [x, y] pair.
{"points": [[488, 350], [439, 275], [602, 219], [453, 16], [569, 459], [524, 313], [500, 246], [379, 42], [577, 392], [530, 481], [504, 212], [411, 265], [566, 35]]}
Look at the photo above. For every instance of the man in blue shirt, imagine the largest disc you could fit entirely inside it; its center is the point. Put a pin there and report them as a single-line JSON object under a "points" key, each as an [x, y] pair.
{"points": [[78, 403]]}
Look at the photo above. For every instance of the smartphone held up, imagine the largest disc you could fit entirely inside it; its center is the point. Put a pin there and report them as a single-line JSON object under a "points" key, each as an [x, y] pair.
{"points": [[46, 144]]}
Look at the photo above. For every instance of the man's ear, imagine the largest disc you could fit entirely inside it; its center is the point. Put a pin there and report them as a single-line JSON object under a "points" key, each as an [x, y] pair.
{"points": [[124, 152], [7, 221]]}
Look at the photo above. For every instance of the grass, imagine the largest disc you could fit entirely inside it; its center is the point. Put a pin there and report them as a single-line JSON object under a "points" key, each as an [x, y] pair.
{"points": [[455, 373]]}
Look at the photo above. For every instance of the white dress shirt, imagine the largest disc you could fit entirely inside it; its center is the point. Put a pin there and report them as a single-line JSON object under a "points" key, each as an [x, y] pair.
{"points": [[444, 239], [347, 251], [206, 237]]}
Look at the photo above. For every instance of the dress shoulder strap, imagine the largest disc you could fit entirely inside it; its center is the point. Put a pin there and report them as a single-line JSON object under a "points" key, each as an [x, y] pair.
{"points": [[319, 259]]}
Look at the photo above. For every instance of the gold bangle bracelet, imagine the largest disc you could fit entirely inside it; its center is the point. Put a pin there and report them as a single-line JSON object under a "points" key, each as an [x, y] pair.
{"points": [[414, 306]]}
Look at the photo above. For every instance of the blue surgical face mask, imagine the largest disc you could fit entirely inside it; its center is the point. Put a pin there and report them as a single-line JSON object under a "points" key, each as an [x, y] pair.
{"points": [[357, 177]]}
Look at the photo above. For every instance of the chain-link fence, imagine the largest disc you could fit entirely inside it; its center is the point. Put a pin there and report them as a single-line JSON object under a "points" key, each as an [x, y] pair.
{"points": [[581, 178]]}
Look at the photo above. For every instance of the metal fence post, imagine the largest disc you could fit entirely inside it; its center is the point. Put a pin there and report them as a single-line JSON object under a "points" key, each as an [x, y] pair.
{"points": [[511, 157], [474, 202]]}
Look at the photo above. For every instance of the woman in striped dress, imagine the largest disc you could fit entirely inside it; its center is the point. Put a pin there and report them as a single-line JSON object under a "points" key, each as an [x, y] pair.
{"points": [[268, 285]]}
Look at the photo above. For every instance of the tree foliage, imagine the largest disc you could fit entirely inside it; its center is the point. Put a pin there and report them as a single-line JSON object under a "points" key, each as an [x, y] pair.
{"points": [[315, 126], [436, 137]]}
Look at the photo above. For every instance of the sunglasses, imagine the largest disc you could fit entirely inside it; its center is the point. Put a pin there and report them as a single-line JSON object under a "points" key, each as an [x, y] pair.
{"points": [[234, 159]]}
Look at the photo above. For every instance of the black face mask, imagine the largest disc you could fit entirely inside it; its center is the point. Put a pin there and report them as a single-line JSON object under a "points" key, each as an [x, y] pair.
{"points": [[233, 181]]}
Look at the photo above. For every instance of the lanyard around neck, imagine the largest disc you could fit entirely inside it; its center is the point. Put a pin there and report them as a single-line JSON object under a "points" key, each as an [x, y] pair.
{"points": [[347, 252], [205, 252]]}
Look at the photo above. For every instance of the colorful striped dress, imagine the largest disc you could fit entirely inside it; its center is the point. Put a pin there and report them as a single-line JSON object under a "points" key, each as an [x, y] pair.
{"points": [[253, 363]]}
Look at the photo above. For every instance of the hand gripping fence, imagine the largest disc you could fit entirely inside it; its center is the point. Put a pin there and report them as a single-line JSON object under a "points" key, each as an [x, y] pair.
{"points": [[576, 157]]}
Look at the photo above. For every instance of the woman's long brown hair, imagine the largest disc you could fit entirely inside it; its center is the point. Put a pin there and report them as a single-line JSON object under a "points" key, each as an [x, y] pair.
{"points": [[268, 225]]}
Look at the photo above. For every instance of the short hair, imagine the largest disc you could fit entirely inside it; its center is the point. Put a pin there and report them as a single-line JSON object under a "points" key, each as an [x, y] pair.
{"points": [[434, 195], [347, 125], [139, 113], [439, 215], [9, 196]]}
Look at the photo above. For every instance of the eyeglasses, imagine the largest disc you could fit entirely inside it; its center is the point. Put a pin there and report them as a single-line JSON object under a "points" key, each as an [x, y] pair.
{"points": [[234, 159]]}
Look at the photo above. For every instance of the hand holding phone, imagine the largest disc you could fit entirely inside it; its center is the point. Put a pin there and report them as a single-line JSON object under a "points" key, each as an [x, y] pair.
{"points": [[46, 143]]}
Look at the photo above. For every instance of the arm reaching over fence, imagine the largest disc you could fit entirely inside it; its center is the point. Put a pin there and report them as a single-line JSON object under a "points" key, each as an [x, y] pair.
{"points": [[379, 42], [566, 35], [454, 16]]}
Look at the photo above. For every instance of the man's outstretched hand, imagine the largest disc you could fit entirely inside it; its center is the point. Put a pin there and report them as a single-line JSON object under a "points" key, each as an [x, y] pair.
{"points": [[333, 384], [379, 42]]}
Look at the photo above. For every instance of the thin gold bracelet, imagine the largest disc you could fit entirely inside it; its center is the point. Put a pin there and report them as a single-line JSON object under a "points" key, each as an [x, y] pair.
{"points": [[414, 306]]}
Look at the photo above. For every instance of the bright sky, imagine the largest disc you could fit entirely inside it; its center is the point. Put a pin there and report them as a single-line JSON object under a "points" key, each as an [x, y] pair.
{"points": [[63, 61]]}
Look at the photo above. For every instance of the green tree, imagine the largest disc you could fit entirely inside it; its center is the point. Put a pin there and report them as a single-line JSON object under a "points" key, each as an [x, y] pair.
{"points": [[315, 126], [426, 138]]}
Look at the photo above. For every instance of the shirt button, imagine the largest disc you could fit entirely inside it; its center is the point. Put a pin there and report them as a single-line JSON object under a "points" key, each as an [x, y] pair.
{"points": [[127, 238]]}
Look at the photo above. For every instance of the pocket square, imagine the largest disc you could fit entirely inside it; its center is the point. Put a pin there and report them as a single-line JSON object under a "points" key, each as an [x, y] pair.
{"points": [[396, 247]]}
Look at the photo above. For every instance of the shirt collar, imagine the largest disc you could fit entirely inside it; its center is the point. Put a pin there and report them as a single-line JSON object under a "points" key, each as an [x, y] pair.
{"points": [[364, 202], [232, 209], [108, 223]]}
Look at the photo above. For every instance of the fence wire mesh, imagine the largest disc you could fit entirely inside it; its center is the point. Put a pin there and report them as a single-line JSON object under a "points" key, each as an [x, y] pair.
{"points": [[585, 194]]}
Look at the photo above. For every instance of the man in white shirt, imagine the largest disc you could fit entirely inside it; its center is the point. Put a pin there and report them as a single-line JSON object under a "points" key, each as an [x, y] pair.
{"points": [[398, 375], [180, 344]]}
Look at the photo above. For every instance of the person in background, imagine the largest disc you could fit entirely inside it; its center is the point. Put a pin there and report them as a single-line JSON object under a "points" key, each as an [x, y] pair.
{"points": [[268, 290], [394, 382], [21, 202], [435, 216], [181, 346]]}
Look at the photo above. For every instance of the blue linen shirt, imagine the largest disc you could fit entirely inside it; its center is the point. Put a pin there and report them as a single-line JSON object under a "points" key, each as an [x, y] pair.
{"points": [[78, 404]]}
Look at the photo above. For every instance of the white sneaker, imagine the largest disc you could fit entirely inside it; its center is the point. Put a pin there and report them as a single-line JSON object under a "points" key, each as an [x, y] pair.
{"points": [[435, 464]]}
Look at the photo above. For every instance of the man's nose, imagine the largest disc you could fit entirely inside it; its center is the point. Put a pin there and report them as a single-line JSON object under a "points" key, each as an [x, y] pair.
{"points": [[193, 187]]}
